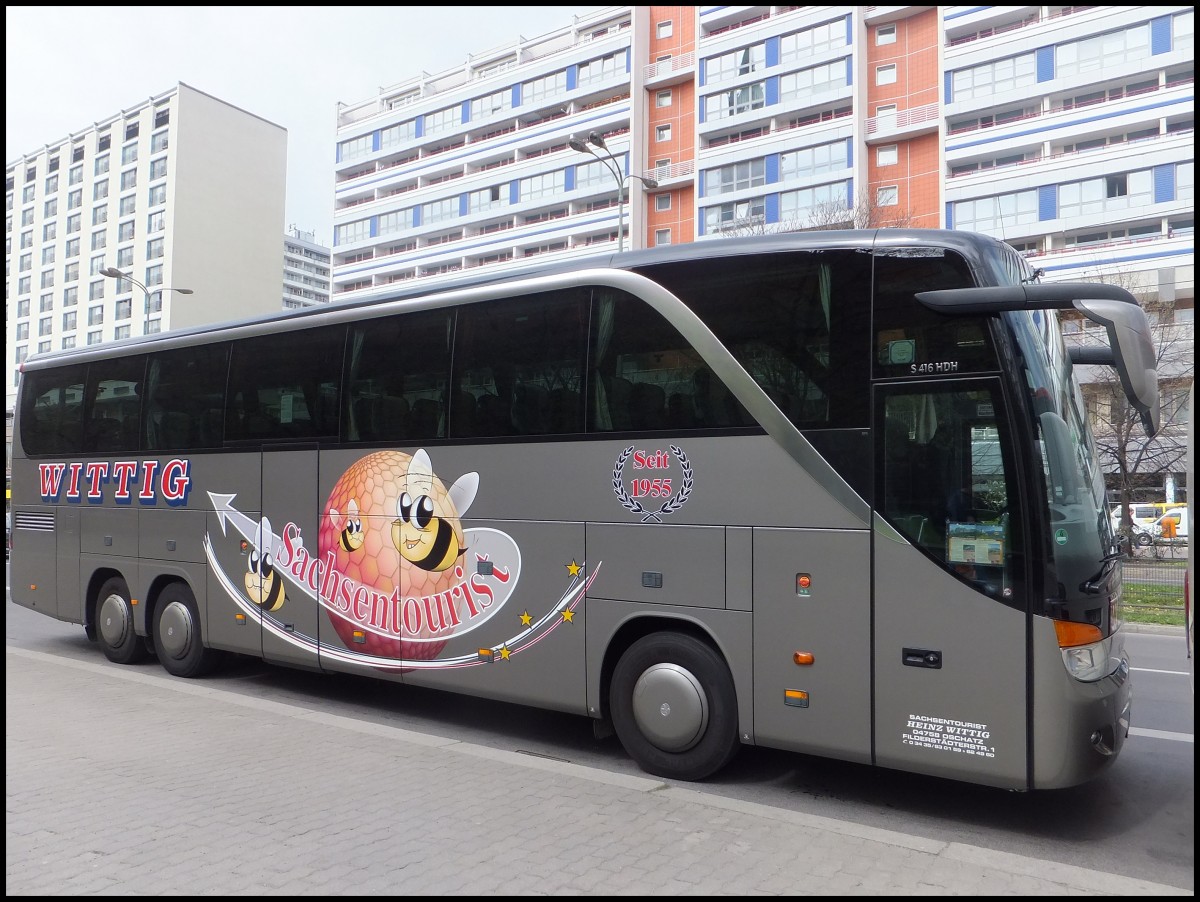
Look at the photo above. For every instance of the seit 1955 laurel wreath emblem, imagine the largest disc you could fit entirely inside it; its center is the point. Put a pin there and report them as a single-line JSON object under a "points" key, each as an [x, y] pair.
{"points": [[654, 487]]}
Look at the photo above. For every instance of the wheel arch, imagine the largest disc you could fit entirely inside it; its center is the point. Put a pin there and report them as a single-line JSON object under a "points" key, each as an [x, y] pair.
{"points": [[639, 626], [91, 598]]}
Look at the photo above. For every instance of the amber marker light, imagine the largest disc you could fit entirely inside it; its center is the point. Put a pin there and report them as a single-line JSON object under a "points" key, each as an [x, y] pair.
{"points": [[1072, 634], [802, 657], [239, 618], [360, 636]]}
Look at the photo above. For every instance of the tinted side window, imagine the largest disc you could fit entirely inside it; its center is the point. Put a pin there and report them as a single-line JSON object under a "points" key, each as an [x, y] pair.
{"points": [[645, 375], [397, 375], [185, 398], [518, 366], [911, 339], [284, 387], [798, 322], [113, 405], [52, 410]]}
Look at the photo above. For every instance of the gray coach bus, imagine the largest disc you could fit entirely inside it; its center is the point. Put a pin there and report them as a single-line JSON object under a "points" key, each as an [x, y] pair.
{"points": [[829, 492]]}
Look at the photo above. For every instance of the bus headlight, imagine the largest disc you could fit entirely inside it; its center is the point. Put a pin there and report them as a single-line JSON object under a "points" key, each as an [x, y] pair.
{"points": [[1089, 663]]}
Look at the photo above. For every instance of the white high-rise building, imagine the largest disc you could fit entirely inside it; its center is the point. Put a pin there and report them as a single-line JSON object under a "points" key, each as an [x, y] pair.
{"points": [[305, 270], [182, 191]]}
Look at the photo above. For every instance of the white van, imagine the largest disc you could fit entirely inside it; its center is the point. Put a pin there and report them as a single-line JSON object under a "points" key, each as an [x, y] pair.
{"points": [[1179, 515], [1143, 514]]}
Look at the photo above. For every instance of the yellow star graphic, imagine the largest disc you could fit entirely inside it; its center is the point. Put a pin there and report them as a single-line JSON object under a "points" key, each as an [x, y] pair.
{"points": [[504, 653], [573, 568], [568, 616], [526, 619]]}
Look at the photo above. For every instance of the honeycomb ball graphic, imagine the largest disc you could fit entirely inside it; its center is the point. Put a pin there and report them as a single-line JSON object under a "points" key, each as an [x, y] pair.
{"points": [[375, 482]]}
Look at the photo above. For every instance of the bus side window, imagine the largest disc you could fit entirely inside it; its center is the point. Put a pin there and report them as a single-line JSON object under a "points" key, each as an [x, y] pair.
{"points": [[645, 376]]}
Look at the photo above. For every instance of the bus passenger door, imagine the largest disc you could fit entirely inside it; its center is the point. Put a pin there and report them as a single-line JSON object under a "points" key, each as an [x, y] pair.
{"points": [[289, 584], [950, 656]]}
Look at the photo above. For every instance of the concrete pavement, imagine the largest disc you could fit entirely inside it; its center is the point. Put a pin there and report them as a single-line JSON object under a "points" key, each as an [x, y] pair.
{"points": [[121, 781]]}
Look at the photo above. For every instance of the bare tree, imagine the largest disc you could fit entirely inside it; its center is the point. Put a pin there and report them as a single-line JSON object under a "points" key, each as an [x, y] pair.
{"points": [[1129, 458], [867, 213]]}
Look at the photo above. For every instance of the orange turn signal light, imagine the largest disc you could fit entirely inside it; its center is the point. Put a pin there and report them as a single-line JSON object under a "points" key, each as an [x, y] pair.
{"points": [[1072, 634], [802, 657]]}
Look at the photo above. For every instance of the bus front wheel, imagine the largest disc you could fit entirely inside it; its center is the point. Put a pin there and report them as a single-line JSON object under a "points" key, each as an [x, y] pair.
{"points": [[114, 624], [674, 707], [177, 636]]}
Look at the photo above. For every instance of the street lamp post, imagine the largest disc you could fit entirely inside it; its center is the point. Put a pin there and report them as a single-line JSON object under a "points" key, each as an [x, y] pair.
{"points": [[113, 273], [610, 163]]}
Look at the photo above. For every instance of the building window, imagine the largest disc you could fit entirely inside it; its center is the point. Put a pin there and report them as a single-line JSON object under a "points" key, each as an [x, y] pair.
{"points": [[51, 184], [101, 164], [74, 222], [27, 194], [662, 202], [158, 142], [22, 331], [48, 254], [155, 222], [125, 258], [69, 320], [887, 196], [99, 241], [662, 98], [664, 29], [46, 303], [75, 199], [154, 249], [129, 154], [100, 214], [97, 264], [72, 247], [68, 342], [885, 75], [661, 237], [51, 208], [662, 133], [128, 179], [125, 231], [121, 332], [885, 34], [161, 118], [71, 272], [124, 309], [158, 168], [75, 175], [48, 278], [70, 296], [94, 338], [128, 204], [45, 325], [158, 195], [49, 231], [887, 155], [95, 316], [154, 275]]}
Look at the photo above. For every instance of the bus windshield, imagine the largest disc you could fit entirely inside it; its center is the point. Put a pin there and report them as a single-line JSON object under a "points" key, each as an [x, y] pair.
{"points": [[1081, 535]]}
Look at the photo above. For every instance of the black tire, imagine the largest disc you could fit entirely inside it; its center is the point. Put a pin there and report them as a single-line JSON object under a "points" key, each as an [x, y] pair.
{"points": [[1144, 539], [114, 624], [178, 639], [674, 707]]}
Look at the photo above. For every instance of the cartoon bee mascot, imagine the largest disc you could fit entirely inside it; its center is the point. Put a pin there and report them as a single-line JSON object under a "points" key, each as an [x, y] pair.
{"points": [[263, 584], [428, 532], [351, 535]]}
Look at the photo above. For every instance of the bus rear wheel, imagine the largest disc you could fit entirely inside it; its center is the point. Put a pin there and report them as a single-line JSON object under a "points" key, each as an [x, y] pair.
{"points": [[177, 636], [114, 624], [674, 707]]}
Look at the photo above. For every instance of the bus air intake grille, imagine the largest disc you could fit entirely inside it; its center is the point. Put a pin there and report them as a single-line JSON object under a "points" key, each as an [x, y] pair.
{"points": [[35, 521]]}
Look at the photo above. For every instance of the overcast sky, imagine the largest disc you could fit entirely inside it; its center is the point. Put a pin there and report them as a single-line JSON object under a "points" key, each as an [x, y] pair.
{"points": [[69, 66]]}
